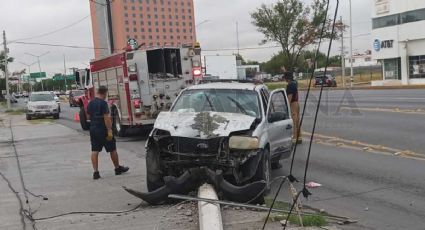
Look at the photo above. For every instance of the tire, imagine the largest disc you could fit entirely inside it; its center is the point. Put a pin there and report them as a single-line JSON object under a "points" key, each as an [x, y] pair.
{"points": [[56, 116], [83, 119], [263, 173], [154, 177], [118, 129], [28, 117]]}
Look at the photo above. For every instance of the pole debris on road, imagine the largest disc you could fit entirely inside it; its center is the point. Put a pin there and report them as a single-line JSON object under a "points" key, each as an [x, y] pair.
{"points": [[209, 214]]}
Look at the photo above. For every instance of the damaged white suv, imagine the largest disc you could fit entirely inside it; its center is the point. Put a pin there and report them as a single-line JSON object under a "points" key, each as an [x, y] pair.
{"points": [[229, 134]]}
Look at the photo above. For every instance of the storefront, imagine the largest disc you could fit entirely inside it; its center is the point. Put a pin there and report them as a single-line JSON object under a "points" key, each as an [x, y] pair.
{"points": [[399, 41]]}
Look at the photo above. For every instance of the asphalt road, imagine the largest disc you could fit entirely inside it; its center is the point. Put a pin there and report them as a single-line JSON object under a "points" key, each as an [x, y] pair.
{"points": [[381, 191]]}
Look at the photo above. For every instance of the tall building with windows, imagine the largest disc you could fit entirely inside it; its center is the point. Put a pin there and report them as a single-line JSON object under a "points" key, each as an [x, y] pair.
{"points": [[149, 22], [398, 30]]}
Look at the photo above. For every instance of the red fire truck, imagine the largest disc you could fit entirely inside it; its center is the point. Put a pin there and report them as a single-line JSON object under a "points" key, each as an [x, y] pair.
{"points": [[141, 83]]}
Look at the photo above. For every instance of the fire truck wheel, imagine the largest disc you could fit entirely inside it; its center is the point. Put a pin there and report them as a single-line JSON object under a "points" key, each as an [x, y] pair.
{"points": [[83, 120], [154, 179], [119, 130]]}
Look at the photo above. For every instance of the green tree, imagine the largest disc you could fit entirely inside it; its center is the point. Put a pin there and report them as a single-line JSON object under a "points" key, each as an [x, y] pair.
{"points": [[293, 25], [2, 57]]}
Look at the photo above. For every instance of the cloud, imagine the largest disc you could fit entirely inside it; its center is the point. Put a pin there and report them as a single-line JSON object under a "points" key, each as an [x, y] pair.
{"points": [[27, 18]]}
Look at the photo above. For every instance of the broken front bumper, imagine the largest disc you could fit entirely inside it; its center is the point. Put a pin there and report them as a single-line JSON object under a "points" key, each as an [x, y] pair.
{"points": [[193, 178]]}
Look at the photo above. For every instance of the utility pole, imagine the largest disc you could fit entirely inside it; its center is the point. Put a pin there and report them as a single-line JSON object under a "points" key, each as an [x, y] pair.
{"points": [[29, 72], [342, 53], [237, 37], [6, 71], [110, 28], [351, 47], [64, 68]]}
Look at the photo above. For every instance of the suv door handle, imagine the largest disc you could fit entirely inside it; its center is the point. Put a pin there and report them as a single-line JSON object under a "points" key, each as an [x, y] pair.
{"points": [[289, 127]]}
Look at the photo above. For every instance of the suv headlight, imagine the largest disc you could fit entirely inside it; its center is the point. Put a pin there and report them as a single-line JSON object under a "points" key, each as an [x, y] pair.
{"points": [[243, 143]]}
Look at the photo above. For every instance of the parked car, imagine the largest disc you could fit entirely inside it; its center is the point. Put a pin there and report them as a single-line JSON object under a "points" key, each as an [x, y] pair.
{"points": [[42, 104], [75, 97], [56, 97], [326, 80], [228, 133], [13, 98]]}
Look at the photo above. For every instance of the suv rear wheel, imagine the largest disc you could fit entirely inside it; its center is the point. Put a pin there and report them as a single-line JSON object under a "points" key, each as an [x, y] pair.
{"points": [[118, 129], [83, 119]]}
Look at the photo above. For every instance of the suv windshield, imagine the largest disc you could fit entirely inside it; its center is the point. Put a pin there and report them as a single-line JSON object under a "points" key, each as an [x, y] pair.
{"points": [[219, 100], [41, 97]]}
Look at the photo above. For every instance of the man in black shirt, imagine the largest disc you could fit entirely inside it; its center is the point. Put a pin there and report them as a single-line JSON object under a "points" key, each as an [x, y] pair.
{"points": [[292, 91], [101, 135]]}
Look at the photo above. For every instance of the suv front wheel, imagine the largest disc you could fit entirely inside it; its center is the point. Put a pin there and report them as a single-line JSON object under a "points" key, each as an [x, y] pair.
{"points": [[263, 173]]}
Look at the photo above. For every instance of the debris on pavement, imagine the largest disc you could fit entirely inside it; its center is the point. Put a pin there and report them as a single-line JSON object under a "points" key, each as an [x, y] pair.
{"points": [[313, 185]]}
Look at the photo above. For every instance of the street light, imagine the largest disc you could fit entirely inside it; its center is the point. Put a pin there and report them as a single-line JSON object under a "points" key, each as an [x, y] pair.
{"points": [[203, 22], [29, 71], [39, 66], [351, 46]]}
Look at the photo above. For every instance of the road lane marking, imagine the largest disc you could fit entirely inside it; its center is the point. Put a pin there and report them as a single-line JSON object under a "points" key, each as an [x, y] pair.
{"points": [[388, 110], [362, 146]]}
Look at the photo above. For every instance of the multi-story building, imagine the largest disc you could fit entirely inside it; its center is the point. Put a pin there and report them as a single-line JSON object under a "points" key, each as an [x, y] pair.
{"points": [[149, 22], [399, 40]]}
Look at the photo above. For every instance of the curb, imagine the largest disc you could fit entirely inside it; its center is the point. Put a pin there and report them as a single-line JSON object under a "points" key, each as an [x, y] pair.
{"points": [[209, 214]]}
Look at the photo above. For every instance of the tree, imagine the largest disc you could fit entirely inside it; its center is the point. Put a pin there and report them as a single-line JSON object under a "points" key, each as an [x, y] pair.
{"points": [[292, 24], [2, 57]]}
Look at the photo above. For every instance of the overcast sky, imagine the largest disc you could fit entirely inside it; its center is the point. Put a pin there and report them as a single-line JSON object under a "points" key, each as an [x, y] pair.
{"points": [[28, 18]]}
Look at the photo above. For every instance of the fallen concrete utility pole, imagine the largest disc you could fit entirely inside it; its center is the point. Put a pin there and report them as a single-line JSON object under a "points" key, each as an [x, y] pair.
{"points": [[209, 213], [346, 220]]}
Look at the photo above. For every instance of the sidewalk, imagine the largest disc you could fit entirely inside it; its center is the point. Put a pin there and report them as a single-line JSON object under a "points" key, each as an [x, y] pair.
{"points": [[55, 162]]}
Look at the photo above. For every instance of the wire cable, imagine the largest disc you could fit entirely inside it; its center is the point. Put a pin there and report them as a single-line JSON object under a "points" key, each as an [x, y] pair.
{"points": [[305, 191], [88, 212], [291, 178], [60, 29]]}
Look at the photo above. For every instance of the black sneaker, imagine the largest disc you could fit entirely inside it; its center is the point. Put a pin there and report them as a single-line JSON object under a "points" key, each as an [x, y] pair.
{"points": [[121, 169], [96, 175]]}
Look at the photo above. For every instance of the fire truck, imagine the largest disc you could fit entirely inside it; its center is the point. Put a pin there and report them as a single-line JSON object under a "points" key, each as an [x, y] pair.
{"points": [[141, 84]]}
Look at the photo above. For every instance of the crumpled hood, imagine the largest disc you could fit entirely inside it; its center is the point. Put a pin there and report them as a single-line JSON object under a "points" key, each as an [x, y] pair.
{"points": [[203, 124], [37, 103]]}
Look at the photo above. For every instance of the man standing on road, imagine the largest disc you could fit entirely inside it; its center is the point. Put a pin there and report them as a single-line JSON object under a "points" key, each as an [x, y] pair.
{"points": [[292, 91], [101, 132]]}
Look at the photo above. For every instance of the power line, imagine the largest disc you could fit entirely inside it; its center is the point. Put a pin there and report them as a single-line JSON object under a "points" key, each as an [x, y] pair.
{"points": [[60, 45], [60, 29]]}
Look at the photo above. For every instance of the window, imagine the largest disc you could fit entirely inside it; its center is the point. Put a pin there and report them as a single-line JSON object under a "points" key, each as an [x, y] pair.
{"points": [[386, 21], [127, 29], [134, 22], [397, 19], [134, 30], [278, 104], [417, 66], [126, 22], [392, 69], [368, 59], [141, 15], [133, 8], [220, 100], [413, 16], [142, 30]]}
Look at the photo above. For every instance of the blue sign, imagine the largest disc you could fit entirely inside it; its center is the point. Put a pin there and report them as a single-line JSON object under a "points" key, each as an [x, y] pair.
{"points": [[377, 45]]}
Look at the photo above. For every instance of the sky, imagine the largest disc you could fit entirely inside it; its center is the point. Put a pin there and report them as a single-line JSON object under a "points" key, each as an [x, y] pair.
{"points": [[23, 19]]}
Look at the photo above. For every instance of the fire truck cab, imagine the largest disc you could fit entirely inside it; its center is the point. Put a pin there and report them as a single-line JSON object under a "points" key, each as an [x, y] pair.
{"points": [[141, 84]]}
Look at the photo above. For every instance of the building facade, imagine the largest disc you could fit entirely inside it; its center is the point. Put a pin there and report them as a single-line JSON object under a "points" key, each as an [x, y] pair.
{"points": [[398, 30], [149, 22]]}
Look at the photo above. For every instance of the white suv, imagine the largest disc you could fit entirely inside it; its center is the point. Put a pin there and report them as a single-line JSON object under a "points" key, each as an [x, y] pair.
{"points": [[228, 133], [42, 104]]}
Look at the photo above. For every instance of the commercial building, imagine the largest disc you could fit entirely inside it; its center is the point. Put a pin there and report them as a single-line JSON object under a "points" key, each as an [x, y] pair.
{"points": [[399, 40], [149, 22]]}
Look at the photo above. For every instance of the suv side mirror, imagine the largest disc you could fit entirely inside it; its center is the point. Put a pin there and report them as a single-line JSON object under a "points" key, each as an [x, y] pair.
{"points": [[276, 116]]}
